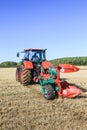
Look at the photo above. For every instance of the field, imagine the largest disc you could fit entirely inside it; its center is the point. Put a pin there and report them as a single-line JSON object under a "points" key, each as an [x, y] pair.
{"points": [[25, 108]]}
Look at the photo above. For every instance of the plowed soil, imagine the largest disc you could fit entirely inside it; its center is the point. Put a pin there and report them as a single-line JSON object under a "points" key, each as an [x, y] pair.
{"points": [[25, 108]]}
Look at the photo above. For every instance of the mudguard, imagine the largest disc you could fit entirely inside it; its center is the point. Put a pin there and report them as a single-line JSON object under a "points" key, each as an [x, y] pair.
{"points": [[28, 65], [47, 65], [67, 68]]}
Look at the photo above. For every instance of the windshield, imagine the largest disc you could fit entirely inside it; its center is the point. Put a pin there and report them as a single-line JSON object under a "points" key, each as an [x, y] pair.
{"points": [[39, 53]]}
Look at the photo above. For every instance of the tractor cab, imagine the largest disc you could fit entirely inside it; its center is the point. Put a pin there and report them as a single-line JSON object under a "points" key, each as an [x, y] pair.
{"points": [[35, 55]]}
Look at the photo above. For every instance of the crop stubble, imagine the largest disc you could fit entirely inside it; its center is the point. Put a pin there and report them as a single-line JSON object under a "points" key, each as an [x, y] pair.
{"points": [[25, 108]]}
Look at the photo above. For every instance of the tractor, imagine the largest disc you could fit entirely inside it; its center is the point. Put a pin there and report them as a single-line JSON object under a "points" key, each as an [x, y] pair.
{"points": [[35, 68], [32, 64]]}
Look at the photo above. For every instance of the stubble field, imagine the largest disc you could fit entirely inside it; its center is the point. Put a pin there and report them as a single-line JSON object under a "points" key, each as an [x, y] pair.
{"points": [[25, 108]]}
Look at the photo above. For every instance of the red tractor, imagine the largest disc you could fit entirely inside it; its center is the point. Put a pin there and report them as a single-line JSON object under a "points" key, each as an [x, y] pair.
{"points": [[35, 68], [31, 65]]}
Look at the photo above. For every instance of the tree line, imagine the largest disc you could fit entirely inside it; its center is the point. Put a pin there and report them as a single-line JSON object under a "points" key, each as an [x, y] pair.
{"points": [[8, 64], [70, 60], [66, 60]]}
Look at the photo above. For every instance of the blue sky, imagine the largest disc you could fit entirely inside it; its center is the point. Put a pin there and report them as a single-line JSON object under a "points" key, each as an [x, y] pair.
{"points": [[58, 25]]}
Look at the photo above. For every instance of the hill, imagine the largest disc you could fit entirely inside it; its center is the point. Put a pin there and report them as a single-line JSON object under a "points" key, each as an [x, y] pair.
{"points": [[70, 60]]}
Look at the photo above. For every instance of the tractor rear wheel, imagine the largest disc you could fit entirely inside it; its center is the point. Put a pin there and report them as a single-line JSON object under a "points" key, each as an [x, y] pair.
{"points": [[49, 92], [18, 74], [25, 76]]}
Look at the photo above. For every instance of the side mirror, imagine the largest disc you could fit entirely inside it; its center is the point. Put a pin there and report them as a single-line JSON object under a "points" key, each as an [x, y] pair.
{"points": [[18, 54]]}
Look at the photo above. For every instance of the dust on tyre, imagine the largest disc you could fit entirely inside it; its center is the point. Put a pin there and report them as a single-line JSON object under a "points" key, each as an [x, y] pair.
{"points": [[49, 92]]}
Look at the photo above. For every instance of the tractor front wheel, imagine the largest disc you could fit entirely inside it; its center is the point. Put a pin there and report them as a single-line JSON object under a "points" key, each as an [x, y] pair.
{"points": [[49, 92]]}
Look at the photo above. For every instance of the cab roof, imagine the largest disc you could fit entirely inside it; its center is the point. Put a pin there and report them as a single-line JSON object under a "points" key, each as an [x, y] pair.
{"points": [[34, 49]]}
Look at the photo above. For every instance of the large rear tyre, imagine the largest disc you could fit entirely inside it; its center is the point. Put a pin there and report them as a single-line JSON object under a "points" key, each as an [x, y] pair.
{"points": [[25, 76], [49, 92]]}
